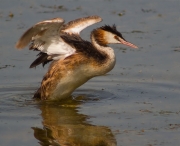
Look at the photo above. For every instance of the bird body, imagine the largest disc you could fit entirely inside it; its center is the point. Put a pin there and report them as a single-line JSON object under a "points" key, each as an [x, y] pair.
{"points": [[75, 60]]}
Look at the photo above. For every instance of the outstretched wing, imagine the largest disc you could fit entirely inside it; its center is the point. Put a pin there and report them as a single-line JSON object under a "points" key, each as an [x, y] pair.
{"points": [[39, 30], [76, 26], [45, 37]]}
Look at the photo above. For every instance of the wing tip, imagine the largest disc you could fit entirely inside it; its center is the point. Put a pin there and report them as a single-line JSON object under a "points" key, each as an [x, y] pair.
{"points": [[96, 17], [19, 45], [57, 19], [77, 25], [28, 34], [23, 40]]}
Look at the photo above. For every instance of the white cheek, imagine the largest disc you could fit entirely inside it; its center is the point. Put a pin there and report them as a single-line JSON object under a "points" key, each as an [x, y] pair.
{"points": [[110, 38]]}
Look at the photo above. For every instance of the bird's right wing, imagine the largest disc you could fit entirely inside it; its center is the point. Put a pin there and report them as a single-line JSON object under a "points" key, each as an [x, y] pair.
{"points": [[77, 25]]}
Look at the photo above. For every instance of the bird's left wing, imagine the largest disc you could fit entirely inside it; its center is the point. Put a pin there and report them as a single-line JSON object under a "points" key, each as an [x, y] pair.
{"points": [[44, 28], [45, 37]]}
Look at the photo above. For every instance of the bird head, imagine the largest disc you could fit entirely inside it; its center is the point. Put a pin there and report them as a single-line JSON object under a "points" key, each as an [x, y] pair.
{"points": [[109, 35]]}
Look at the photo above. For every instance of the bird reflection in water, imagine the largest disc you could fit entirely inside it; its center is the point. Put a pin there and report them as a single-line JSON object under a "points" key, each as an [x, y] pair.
{"points": [[64, 126]]}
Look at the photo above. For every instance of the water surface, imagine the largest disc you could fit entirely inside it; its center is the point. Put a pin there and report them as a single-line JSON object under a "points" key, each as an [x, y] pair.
{"points": [[137, 103]]}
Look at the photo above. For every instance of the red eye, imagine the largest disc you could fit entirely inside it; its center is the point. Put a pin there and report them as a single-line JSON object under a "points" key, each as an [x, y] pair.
{"points": [[116, 38]]}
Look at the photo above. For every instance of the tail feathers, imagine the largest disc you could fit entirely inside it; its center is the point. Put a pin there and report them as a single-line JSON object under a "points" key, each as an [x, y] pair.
{"points": [[43, 58], [37, 94]]}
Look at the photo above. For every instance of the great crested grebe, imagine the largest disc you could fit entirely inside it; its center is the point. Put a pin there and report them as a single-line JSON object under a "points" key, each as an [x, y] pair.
{"points": [[75, 60]]}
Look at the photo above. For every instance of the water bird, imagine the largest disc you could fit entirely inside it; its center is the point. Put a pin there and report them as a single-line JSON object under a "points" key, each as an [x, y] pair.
{"points": [[74, 60]]}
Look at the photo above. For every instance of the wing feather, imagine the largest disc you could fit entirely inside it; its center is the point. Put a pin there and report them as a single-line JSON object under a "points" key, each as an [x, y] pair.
{"points": [[46, 37], [76, 26], [39, 30], [43, 58]]}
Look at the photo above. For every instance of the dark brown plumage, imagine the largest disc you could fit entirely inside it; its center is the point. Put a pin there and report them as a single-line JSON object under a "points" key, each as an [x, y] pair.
{"points": [[83, 46]]}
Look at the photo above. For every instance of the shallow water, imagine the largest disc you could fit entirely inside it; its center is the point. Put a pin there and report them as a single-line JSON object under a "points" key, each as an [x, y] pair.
{"points": [[137, 103]]}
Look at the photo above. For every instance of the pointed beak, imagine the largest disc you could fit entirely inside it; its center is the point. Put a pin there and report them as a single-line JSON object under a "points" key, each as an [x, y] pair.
{"points": [[128, 44]]}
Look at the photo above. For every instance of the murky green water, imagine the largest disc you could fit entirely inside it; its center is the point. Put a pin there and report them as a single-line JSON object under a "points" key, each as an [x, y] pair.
{"points": [[137, 103]]}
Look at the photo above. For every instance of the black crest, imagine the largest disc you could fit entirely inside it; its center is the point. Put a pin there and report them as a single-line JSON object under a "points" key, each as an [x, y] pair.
{"points": [[112, 29]]}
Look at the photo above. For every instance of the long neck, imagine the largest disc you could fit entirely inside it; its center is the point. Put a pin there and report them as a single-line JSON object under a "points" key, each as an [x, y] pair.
{"points": [[102, 47]]}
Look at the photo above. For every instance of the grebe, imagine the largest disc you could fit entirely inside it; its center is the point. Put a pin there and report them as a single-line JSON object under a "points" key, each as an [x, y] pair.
{"points": [[74, 60]]}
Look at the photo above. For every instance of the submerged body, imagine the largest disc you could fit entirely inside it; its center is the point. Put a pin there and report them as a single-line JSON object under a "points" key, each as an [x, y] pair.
{"points": [[62, 79], [75, 60], [64, 76]]}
